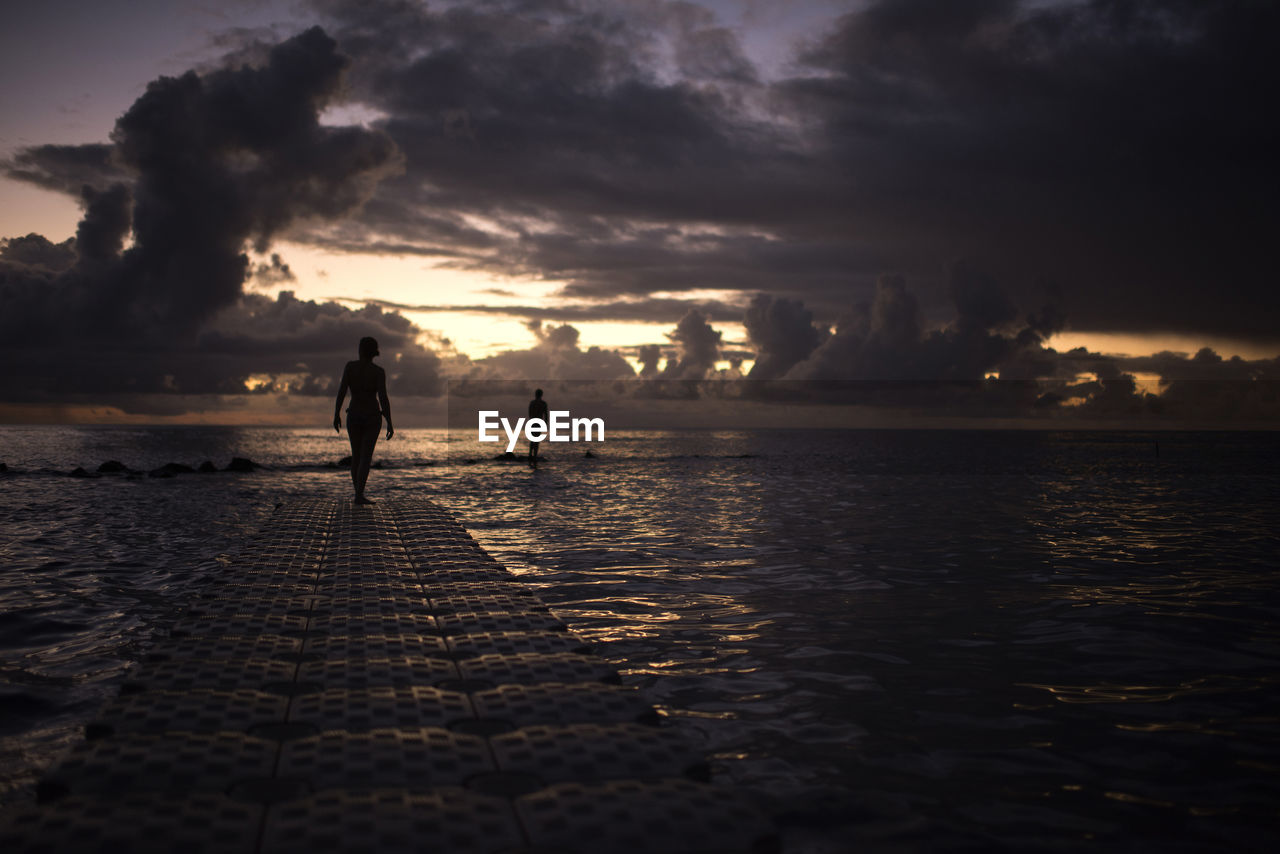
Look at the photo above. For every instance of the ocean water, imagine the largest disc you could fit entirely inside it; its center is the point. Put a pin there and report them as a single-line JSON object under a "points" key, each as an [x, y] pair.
{"points": [[901, 640]]}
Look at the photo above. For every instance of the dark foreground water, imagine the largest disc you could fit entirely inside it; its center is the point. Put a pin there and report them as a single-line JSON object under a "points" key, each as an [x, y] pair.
{"points": [[905, 641]]}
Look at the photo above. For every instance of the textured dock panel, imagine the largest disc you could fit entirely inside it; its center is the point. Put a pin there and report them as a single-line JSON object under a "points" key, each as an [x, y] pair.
{"points": [[375, 672], [361, 709], [368, 679], [595, 752], [510, 643], [184, 674], [375, 646], [198, 710], [639, 818], [420, 759], [166, 762], [553, 702], [224, 648], [446, 820], [137, 821], [530, 668]]}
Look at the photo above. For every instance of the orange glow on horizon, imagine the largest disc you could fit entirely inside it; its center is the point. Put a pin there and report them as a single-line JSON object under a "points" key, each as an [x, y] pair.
{"points": [[1148, 343]]}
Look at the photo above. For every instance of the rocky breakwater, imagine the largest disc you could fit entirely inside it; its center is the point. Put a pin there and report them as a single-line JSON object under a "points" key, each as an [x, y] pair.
{"points": [[112, 467]]}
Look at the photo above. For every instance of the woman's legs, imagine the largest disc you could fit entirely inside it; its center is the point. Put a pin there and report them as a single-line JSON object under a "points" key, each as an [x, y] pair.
{"points": [[363, 433], [355, 432], [366, 454]]}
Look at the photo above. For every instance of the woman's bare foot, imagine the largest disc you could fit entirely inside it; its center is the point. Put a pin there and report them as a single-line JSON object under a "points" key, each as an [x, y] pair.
{"points": [[362, 500]]}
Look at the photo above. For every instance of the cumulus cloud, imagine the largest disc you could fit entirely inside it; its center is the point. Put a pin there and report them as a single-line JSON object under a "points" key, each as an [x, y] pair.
{"points": [[199, 167], [649, 356], [988, 362], [556, 356], [234, 156], [697, 348], [35, 253], [272, 273], [564, 337], [886, 338], [783, 334]]}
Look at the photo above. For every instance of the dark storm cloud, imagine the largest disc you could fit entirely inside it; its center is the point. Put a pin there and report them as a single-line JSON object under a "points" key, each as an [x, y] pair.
{"points": [[1110, 162], [236, 156], [705, 51], [542, 139], [635, 261], [67, 168], [1121, 149], [105, 225], [199, 166], [656, 310]]}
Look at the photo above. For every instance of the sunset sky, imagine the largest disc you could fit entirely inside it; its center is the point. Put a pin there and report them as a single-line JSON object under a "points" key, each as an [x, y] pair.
{"points": [[204, 206]]}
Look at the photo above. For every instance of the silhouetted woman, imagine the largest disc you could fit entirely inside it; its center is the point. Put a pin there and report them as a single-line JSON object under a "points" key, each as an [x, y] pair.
{"points": [[368, 384]]}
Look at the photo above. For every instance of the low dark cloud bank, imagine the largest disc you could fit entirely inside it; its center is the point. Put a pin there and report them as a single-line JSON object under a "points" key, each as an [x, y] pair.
{"points": [[928, 193]]}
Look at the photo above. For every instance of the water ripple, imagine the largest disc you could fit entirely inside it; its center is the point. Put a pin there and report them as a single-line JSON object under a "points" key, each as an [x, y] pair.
{"points": [[903, 641]]}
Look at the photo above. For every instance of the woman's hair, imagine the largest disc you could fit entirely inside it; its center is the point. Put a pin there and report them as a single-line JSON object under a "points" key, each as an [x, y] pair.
{"points": [[368, 348]]}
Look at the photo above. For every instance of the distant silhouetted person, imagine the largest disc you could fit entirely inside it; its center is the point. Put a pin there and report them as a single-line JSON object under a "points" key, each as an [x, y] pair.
{"points": [[537, 409], [368, 385]]}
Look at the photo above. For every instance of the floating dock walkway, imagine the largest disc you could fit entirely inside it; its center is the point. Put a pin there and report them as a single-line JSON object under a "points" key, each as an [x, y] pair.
{"points": [[368, 679]]}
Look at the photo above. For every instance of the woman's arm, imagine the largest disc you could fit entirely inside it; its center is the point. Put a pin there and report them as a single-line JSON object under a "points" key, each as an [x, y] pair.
{"points": [[342, 395], [384, 401]]}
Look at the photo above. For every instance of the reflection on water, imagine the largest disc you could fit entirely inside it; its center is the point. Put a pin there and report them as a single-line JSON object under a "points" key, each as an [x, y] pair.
{"points": [[903, 640]]}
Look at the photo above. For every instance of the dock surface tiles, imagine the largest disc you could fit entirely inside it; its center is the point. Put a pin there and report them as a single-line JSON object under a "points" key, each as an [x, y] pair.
{"points": [[369, 679]]}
